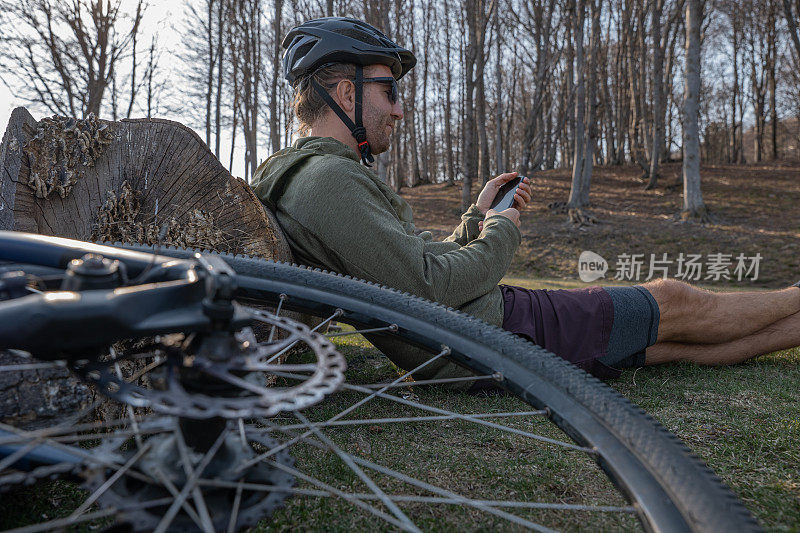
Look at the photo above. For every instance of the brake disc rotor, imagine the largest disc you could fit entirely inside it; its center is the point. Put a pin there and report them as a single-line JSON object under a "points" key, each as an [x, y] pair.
{"points": [[233, 368]]}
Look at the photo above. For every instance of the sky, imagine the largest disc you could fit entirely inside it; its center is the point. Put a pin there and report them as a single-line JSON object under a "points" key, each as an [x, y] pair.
{"points": [[166, 19]]}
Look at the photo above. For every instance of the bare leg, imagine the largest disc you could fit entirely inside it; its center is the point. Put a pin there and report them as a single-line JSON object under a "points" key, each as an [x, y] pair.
{"points": [[696, 316], [783, 334]]}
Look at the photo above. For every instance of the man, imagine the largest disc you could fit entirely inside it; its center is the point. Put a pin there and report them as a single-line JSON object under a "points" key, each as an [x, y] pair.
{"points": [[339, 216]]}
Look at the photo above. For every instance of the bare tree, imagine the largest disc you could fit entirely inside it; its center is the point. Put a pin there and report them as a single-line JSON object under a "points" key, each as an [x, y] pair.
{"points": [[693, 206], [448, 133], [274, 133], [222, 17], [202, 55], [792, 16], [658, 45], [246, 52], [469, 129], [575, 199], [63, 55], [591, 119]]}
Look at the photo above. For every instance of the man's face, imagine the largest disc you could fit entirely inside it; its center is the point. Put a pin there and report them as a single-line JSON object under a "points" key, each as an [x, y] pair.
{"points": [[379, 113]]}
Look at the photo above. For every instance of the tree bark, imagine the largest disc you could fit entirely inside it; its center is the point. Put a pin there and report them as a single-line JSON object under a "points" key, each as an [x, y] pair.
{"points": [[693, 206], [221, 29], [791, 22], [498, 113], [274, 132], [211, 62], [469, 132], [575, 199], [591, 119], [448, 105], [658, 100]]}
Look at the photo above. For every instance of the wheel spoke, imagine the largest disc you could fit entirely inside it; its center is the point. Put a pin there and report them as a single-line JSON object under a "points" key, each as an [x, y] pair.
{"points": [[22, 367], [170, 486], [12, 458], [410, 498], [468, 418], [255, 367], [333, 490], [288, 443], [325, 322], [346, 458], [443, 492], [380, 393], [237, 501], [391, 328], [110, 481], [88, 456], [281, 298], [197, 494], [439, 381], [191, 483], [128, 408], [407, 419]]}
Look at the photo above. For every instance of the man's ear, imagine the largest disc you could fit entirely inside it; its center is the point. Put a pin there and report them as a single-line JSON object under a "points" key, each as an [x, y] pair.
{"points": [[346, 95]]}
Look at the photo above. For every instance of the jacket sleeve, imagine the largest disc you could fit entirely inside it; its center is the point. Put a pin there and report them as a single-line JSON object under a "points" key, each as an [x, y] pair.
{"points": [[347, 211], [467, 231]]}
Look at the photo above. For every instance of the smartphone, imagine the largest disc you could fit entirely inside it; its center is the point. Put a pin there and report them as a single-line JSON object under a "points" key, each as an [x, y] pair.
{"points": [[505, 196]]}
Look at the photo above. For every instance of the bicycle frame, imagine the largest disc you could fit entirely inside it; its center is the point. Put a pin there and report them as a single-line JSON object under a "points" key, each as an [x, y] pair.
{"points": [[173, 299]]}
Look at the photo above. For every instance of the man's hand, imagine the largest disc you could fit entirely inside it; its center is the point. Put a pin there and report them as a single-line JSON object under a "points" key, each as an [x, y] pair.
{"points": [[510, 213], [521, 198]]}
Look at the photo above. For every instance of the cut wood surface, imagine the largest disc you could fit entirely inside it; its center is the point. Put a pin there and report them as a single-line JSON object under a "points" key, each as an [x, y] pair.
{"points": [[157, 174], [142, 180]]}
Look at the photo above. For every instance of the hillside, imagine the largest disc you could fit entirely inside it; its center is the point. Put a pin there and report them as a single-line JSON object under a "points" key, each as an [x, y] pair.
{"points": [[757, 211]]}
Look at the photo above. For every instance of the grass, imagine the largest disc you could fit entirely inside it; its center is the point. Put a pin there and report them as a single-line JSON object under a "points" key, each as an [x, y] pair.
{"points": [[459, 456]]}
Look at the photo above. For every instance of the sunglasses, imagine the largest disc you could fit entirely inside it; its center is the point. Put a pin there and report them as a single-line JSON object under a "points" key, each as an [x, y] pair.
{"points": [[394, 95]]}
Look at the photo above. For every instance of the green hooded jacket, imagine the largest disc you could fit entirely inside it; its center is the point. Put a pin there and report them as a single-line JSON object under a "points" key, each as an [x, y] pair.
{"points": [[337, 215]]}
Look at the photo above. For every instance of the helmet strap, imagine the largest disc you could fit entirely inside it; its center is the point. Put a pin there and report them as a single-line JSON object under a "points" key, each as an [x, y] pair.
{"points": [[356, 129]]}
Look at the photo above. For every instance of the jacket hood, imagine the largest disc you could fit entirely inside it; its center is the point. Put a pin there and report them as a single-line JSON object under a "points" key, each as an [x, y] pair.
{"points": [[274, 174]]}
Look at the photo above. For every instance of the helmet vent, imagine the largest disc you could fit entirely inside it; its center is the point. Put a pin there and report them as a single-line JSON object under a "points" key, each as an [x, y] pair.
{"points": [[359, 35]]}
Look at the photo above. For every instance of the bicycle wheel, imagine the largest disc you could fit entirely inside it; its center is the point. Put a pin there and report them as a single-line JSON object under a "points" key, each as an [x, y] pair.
{"points": [[583, 457]]}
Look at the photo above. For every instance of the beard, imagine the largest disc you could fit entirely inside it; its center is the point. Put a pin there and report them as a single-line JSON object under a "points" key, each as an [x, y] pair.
{"points": [[379, 127]]}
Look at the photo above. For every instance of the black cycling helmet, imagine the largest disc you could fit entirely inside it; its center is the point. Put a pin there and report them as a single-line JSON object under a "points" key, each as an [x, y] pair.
{"points": [[320, 42]]}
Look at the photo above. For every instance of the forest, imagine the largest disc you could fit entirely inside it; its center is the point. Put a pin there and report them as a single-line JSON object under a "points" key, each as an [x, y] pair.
{"points": [[499, 85]]}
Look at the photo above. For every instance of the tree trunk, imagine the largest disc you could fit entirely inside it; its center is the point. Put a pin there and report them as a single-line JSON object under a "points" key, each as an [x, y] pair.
{"points": [[791, 22], [733, 17], [575, 200], [498, 113], [693, 206], [448, 105], [772, 50], [480, 92], [274, 133], [470, 134], [211, 62], [220, 74], [591, 119], [426, 147], [658, 100]]}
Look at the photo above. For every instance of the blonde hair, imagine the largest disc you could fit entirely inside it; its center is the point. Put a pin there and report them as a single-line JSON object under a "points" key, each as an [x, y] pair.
{"points": [[307, 104]]}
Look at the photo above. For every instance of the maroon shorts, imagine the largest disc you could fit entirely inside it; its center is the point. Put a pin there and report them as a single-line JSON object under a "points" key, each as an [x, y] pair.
{"points": [[583, 326]]}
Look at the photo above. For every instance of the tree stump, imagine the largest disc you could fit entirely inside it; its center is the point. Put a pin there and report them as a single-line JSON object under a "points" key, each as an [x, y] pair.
{"points": [[144, 180]]}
